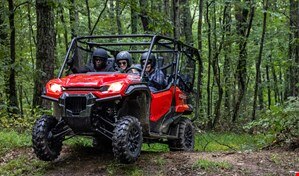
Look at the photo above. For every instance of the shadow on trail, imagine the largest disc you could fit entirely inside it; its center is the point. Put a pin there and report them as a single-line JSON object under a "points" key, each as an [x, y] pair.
{"points": [[82, 160]]}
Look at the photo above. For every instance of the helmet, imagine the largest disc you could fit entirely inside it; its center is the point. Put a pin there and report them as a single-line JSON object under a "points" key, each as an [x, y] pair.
{"points": [[124, 55], [99, 52], [151, 58], [103, 55]]}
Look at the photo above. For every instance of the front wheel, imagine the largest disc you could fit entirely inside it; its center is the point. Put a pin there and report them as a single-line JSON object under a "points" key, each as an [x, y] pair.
{"points": [[127, 139], [45, 146], [185, 142]]}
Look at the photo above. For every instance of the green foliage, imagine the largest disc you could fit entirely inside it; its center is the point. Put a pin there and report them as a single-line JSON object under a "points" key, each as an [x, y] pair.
{"points": [[211, 165], [12, 139], [21, 123], [281, 123]]}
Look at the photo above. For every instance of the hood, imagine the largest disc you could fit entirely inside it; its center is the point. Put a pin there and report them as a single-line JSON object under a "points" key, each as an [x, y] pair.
{"points": [[95, 79]]}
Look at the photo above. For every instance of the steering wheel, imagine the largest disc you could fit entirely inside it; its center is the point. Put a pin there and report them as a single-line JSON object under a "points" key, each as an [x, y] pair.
{"points": [[133, 68]]}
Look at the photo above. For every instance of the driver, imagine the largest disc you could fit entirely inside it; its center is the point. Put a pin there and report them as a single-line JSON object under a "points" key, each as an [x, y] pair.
{"points": [[99, 63], [156, 78], [123, 60]]}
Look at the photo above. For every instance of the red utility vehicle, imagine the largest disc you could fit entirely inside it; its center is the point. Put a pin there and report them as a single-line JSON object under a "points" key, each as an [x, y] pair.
{"points": [[117, 109]]}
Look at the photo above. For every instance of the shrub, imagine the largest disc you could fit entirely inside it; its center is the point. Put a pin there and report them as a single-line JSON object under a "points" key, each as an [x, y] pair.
{"points": [[281, 123]]}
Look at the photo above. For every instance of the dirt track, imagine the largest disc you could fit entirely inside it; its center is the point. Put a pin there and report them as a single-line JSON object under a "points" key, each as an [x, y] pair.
{"points": [[87, 161]]}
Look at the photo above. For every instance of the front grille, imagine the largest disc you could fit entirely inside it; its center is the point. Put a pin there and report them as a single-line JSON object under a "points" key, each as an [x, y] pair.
{"points": [[75, 104]]}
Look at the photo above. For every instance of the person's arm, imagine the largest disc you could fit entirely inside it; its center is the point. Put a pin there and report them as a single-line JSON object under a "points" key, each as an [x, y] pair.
{"points": [[158, 79]]}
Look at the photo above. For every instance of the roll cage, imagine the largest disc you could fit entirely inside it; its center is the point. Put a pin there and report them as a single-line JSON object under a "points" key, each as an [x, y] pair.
{"points": [[179, 67]]}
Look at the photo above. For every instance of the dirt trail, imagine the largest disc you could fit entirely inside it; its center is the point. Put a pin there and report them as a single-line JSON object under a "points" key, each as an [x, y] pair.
{"points": [[88, 161]]}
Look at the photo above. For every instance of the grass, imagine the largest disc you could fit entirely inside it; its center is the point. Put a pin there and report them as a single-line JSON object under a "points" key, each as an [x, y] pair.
{"points": [[203, 142], [156, 147], [28, 165], [211, 165], [23, 165], [12, 140], [131, 170], [228, 141]]}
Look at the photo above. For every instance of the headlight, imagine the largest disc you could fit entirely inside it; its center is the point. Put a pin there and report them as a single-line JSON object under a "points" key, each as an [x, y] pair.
{"points": [[56, 87], [115, 87]]}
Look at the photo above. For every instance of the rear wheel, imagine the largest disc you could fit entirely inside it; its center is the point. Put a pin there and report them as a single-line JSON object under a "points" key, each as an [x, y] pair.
{"points": [[127, 139], [45, 146], [185, 142]]}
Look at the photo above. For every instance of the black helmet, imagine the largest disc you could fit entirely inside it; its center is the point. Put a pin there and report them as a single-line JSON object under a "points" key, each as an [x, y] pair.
{"points": [[124, 55], [99, 52], [151, 59]]}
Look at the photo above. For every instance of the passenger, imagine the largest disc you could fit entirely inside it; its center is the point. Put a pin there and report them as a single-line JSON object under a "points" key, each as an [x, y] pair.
{"points": [[99, 63], [123, 60], [156, 78]]}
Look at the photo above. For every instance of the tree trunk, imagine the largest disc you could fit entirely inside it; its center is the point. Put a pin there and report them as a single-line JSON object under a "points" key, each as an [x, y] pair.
{"points": [[134, 17], [168, 16], [215, 64], [187, 22], [260, 93], [73, 18], [200, 64], [292, 88], [276, 90], [65, 32], [176, 19], [143, 15], [45, 50], [268, 86], [259, 60], [227, 62], [88, 16], [3, 46], [244, 24], [199, 33], [118, 22], [209, 97], [10, 80], [112, 13]]}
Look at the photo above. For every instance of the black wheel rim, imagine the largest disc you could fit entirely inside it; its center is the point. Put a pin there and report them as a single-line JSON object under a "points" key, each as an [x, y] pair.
{"points": [[134, 139], [188, 137]]}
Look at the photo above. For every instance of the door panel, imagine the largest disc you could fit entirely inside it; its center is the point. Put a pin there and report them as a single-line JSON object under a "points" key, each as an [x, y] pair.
{"points": [[160, 105]]}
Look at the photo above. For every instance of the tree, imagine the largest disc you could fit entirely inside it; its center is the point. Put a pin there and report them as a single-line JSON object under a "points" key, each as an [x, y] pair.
{"points": [[187, 22], [45, 49], [200, 63], [73, 18], [244, 19], [88, 16], [118, 14], [10, 80], [227, 68], [176, 19], [259, 60], [292, 88], [134, 17], [144, 15], [3, 45]]}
